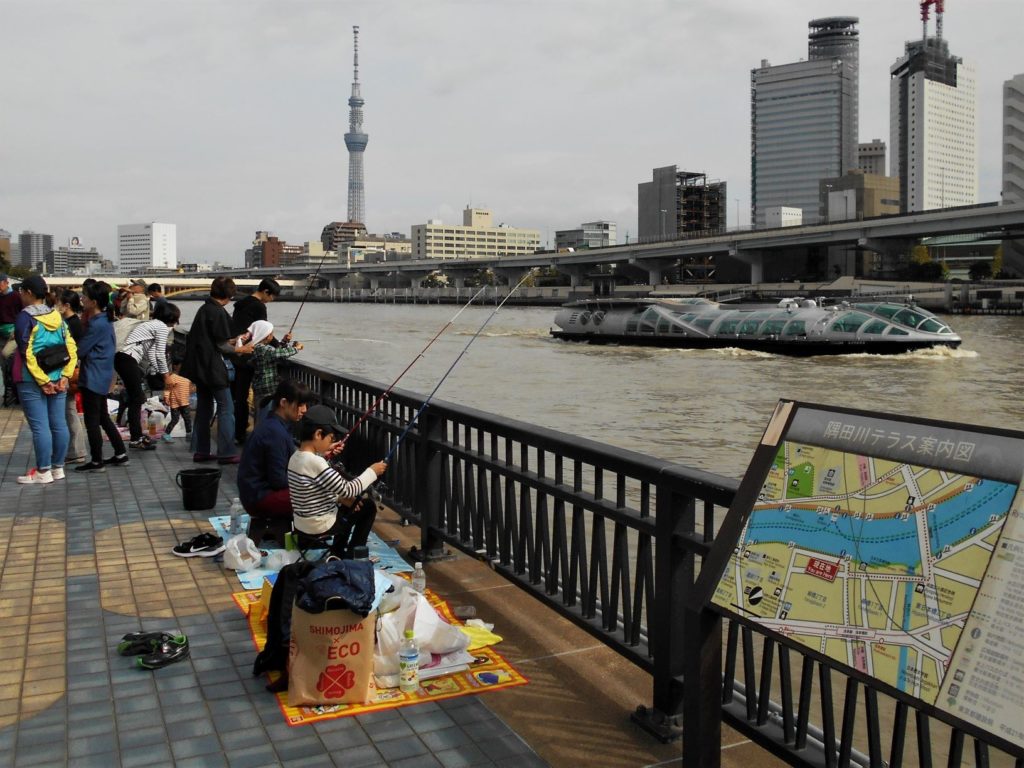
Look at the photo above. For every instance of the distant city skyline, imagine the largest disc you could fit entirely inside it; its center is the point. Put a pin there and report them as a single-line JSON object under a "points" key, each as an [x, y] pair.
{"points": [[547, 114]]}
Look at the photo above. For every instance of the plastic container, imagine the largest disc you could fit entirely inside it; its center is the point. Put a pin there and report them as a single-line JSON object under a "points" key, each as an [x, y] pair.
{"points": [[153, 423], [198, 487], [408, 664], [419, 579], [235, 516]]}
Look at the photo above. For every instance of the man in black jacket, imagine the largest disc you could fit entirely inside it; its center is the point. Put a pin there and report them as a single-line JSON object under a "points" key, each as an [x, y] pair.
{"points": [[246, 312], [208, 343]]}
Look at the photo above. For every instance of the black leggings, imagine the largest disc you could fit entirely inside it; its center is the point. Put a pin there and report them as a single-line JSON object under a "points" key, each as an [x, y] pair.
{"points": [[94, 410], [184, 414], [352, 526], [131, 377]]}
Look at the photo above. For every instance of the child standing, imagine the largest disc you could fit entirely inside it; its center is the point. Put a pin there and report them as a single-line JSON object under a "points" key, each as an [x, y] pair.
{"points": [[265, 356], [177, 395]]}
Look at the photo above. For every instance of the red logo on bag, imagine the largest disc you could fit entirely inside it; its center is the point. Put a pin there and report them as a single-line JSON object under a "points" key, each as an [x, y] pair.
{"points": [[335, 680]]}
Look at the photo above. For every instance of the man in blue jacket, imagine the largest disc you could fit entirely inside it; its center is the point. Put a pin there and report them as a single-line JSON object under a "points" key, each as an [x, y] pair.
{"points": [[263, 470]]}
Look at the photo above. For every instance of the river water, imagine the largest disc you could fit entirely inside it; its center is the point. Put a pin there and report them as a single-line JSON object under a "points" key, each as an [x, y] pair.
{"points": [[702, 408]]}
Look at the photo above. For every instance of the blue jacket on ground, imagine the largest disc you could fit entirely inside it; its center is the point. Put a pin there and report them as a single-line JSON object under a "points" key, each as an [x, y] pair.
{"points": [[264, 464], [96, 353]]}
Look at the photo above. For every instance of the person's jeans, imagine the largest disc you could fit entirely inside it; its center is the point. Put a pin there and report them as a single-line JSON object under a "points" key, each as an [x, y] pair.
{"points": [[46, 419], [205, 399]]}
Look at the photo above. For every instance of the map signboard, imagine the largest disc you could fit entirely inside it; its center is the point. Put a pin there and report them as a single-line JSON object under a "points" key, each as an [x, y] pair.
{"points": [[894, 547]]}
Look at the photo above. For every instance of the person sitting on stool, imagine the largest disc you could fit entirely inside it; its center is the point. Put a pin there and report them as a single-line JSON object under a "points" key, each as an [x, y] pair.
{"points": [[317, 488], [263, 469]]}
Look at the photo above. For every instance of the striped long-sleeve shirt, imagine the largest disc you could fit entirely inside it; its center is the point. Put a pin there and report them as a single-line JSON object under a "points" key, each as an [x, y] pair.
{"points": [[315, 487], [149, 340]]}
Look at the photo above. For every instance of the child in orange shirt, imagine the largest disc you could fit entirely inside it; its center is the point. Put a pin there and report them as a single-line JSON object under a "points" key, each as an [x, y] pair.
{"points": [[177, 390]]}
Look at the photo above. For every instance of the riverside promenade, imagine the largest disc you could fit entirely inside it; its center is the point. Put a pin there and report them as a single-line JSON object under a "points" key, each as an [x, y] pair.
{"points": [[87, 559]]}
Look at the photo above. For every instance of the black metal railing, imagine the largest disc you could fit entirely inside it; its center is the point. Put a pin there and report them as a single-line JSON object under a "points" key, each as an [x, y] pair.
{"points": [[615, 540]]}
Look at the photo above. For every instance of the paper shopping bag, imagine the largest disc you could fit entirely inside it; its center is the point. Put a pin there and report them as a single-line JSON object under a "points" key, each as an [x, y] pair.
{"points": [[330, 657]]}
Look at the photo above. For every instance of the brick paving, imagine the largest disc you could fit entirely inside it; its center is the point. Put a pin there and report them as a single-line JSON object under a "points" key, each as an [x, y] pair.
{"points": [[85, 560]]}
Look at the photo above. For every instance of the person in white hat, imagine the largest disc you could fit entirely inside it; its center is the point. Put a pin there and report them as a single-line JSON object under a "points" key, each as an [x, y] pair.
{"points": [[265, 356]]}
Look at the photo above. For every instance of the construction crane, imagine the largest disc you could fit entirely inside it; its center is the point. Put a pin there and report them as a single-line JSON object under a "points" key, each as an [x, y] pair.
{"points": [[925, 12]]}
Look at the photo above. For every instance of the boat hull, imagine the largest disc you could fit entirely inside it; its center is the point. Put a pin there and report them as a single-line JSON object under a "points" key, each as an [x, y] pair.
{"points": [[796, 348]]}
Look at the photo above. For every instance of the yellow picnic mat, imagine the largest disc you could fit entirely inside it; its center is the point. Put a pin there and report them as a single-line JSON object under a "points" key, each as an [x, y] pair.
{"points": [[489, 672]]}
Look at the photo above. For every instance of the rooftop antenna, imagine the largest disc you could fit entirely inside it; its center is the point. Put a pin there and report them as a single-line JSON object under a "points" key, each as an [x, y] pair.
{"points": [[926, 12]]}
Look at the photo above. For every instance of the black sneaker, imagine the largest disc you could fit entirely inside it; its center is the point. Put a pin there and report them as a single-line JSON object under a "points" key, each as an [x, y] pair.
{"points": [[117, 460], [92, 466], [203, 545], [143, 444], [135, 643], [163, 654]]}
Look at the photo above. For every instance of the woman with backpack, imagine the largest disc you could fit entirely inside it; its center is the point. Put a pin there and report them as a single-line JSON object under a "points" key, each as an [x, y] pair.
{"points": [[95, 375], [146, 343], [44, 360]]}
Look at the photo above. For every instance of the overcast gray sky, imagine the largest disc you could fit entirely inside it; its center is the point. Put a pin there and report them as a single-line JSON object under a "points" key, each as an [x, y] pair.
{"points": [[228, 116]]}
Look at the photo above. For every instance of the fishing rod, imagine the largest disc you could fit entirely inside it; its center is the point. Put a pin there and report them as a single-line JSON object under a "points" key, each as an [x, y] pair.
{"points": [[451, 368], [385, 393], [309, 286]]}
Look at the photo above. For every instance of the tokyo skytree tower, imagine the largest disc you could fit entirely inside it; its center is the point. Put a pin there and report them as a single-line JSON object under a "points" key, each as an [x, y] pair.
{"points": [[356, 141]]}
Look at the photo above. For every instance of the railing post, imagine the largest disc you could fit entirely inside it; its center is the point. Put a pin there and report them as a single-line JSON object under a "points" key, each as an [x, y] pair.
{"points": [[702, 703], [667, 631], [429, 484]]}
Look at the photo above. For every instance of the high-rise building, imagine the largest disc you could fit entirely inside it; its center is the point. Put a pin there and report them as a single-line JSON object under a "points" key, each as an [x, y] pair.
{"points": [[591, 234], [1013, 140], [356, 141], [675, 202], [33, 249], [142, 247], [339, 234], [475, 239], [932, 125], [804, 120], [871, 157]]}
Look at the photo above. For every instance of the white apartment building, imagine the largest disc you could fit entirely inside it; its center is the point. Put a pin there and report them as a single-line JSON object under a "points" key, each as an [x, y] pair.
{"points": [[141, 247], [932, 128], [477, 238]]}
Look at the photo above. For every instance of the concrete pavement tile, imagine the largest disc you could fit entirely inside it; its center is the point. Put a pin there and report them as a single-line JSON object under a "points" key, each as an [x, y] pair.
{"points": [[463, 756], [240, 739], [342, 741], [423, 722], [192, 728], [297, 749], [388, 730], [399, 749], [135, 704], [359, 757], [196, 745], [420, 761], [52, 753], [152, 754], [532, 761], [203, 761], [155, 734], [92, 745], [253, 757], [27, 736], [446, 738], [109, 759]]}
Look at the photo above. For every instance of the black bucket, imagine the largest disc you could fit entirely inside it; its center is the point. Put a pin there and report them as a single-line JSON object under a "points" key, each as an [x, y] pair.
{"points": [[198, 487]]}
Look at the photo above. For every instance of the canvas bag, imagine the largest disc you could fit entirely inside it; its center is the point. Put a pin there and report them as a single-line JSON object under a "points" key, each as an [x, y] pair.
{"points": [[330, 657]]}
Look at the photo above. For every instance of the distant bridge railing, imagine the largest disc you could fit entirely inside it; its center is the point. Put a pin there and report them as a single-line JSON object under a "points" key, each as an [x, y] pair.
{"points": [[614, 540]]}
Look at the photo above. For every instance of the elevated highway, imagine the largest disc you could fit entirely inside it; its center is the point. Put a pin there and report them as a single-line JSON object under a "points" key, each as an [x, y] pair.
{"points": [[176, 285]]}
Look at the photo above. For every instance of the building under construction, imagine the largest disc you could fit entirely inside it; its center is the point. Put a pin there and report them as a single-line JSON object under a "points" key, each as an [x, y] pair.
{"points": [[677, 202]]}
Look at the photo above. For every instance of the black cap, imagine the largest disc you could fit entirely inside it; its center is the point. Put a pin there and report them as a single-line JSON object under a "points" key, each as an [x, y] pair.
{"points": [[322, 416], [34, 284]]}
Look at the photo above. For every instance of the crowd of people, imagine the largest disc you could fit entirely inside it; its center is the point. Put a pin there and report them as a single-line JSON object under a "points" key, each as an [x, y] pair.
{"points": [[65, 354]]}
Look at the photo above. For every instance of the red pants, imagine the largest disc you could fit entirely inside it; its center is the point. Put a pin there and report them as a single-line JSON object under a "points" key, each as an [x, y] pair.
{"points": [[274, 504]]}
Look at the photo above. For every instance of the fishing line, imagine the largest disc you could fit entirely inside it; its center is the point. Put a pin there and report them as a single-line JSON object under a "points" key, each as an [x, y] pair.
{"points": [[309, 286], [451, 368], [386, 392]]}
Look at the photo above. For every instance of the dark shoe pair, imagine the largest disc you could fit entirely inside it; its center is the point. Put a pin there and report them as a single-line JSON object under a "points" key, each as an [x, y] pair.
{"points": [[203, 545], [135, 643], [92, 466], [117, 460]]}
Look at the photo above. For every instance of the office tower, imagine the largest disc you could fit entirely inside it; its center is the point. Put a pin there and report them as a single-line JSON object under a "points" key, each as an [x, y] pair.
{"points": [[356, 141], [1013, 140], [33, 248], [871, 157], [143, 247], [803, 120], [675, 202], [590, 234], [932, 129]]}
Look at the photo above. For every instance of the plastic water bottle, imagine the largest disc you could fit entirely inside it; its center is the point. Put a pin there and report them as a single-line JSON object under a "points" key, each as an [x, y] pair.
{"points": [[408, 664], [419, 579], [153, 422], [235, 516]]}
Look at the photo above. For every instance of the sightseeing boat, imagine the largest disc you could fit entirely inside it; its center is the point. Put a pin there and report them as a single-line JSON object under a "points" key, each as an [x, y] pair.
{"points": [[792, 326]]}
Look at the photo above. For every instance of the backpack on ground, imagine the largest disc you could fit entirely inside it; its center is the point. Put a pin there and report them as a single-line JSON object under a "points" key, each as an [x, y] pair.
{"points": [[274, 656]]}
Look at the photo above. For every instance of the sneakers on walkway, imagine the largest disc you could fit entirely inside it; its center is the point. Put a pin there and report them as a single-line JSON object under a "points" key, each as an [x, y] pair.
{"points": [[58, 473], [117, 461], [166, 438], [92, 466], [135, 643], [203, 545], [34, 476], [143, 444], [164, 653]]}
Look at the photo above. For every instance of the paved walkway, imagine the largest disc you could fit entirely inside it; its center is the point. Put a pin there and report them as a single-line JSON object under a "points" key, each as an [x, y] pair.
{"points": [[87, 559]]}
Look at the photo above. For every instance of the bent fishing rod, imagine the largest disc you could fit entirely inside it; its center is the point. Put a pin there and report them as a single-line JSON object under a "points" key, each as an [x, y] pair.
{"points": [[386, 392], [451, 368], [309, 286]]}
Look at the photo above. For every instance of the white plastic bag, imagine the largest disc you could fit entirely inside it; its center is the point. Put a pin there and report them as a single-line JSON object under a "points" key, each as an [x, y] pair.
{"points": [[241, 554], [279, 558], [432, 633]]}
